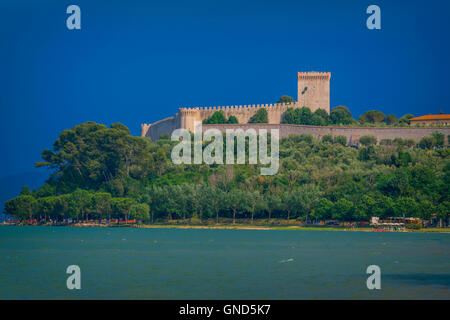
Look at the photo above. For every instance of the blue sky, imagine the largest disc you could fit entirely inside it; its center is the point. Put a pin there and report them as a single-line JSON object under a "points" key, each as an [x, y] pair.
{"points": [[139, 61]]}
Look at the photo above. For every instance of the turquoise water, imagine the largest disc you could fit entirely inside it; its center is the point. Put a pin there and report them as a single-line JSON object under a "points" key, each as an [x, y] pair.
{"points": [[128, 263]]}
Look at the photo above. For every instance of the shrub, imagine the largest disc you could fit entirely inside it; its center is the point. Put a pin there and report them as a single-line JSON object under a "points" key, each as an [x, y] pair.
{"points": [[140, 211], [410, 142], [439, 138], [341, 140], [306, 137], [427, 142], [372, 116], [405, 118], [391, 119], [386, 142], [366, 153], [399, 142], [368, 140], [286, 99], [218, 117], [232, 119], [324, 115], [327, 138], [260, 116], [317, 120], [341, 115]]}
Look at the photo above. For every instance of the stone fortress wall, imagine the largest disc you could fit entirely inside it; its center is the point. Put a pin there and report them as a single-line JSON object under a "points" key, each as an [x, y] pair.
{"points": [[186, 117], [313, 92], [351, 133]]}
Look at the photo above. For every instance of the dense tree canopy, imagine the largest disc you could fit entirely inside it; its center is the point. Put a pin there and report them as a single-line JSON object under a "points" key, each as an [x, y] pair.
{"points": [[304, 116], [405, 118], [341, 115], [218, 117], [372, 116], [105, 173]]}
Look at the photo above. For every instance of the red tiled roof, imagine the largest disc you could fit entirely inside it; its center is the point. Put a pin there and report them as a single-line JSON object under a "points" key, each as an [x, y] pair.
{"points": [[432, 117]]}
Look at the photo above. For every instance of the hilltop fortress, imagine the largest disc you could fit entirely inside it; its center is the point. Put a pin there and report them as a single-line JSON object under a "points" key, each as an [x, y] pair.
{"points": [[313, 92]]}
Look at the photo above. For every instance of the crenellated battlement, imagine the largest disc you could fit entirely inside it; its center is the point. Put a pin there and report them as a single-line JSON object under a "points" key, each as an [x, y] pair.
{"points": [[237, 107], [314, 74]]}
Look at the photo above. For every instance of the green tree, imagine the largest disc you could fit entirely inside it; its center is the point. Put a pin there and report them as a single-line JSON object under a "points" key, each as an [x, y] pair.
{"points": [[364, 208], [391, 119], [256, 203], [46, 206], [406, 207], [405, 118], [290, 116], [307, 197], [427, 142], [327, 138], [218, 117], [161, 162], [260, 116], [289, 203], [324, 115], [342, 140], [343, 209], [218, 199], [383, 207], [232, 120], [80, 202], [26, 191], [341, 115], [439, 138], [101, 204], [368, 140], [323, 210], [205, 199], [140, 212], [274, 202], [297, 116], [286, 99], [372, 116], [317, 120], [121, 206], [21, 207], [443, 213], [90, 154], [237, 202]]}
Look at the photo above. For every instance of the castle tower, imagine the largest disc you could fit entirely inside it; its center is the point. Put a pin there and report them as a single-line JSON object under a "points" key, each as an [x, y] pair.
{"points": [[188, 118], [314, 90]]}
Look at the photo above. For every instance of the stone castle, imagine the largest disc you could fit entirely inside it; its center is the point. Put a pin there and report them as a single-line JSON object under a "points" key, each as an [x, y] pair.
{"points": [[313, 92]]}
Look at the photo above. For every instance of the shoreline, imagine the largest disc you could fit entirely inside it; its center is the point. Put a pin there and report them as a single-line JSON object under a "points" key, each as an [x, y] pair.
{"points": [[240, 227]]}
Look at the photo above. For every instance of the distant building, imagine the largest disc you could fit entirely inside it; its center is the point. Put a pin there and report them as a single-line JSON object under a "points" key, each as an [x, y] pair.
{"points": [[443, 119]]}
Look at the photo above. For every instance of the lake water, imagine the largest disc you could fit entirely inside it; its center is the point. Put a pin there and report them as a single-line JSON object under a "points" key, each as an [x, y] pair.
{"points": [[129, 263]]}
